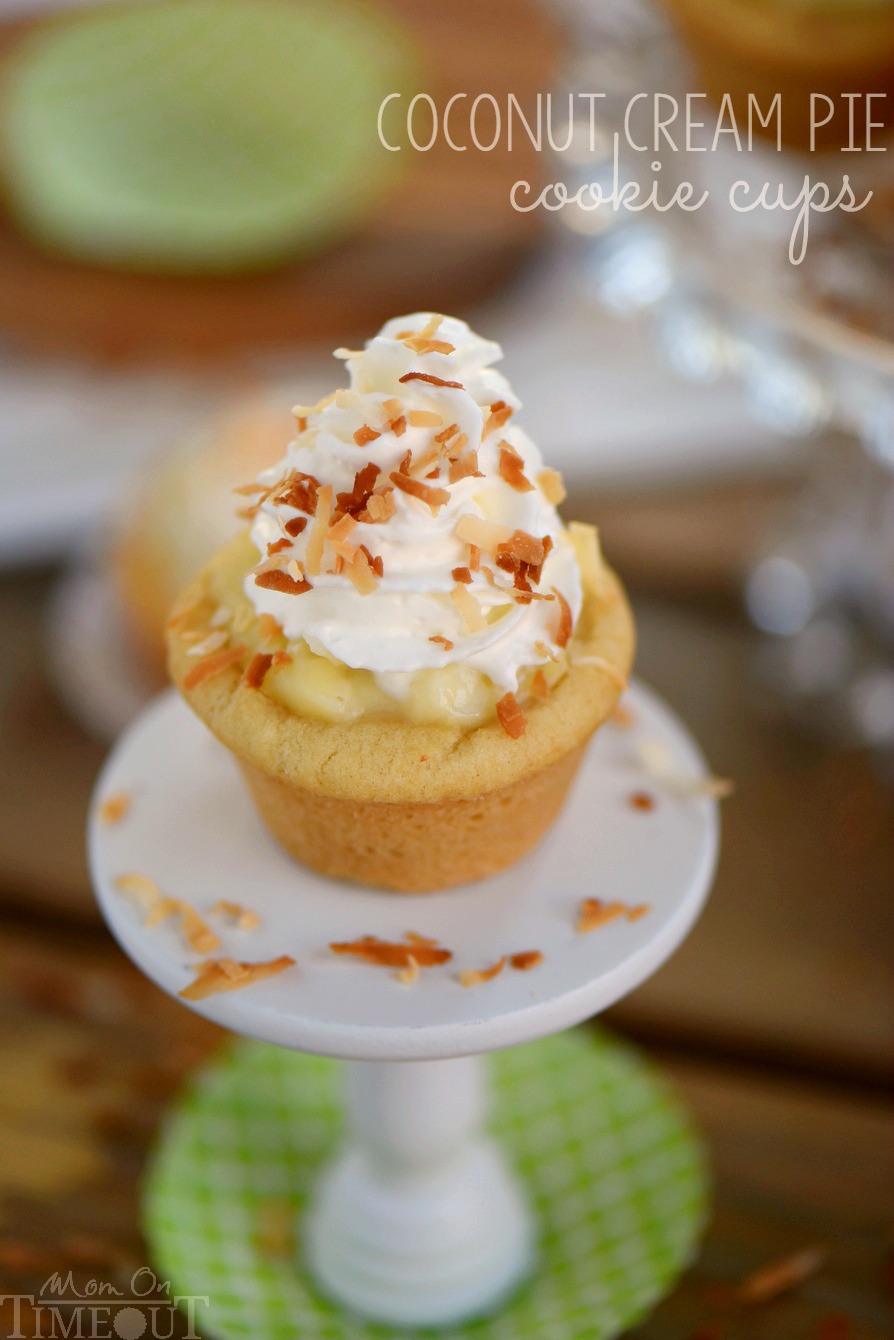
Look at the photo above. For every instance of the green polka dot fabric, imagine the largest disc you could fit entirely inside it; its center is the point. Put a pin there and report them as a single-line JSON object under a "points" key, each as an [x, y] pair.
{"points": [[201, 135], [614, 1170]]}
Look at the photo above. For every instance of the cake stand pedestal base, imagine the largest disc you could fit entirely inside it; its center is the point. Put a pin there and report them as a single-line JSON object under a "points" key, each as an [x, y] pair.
{"points": [[419, 1221]]}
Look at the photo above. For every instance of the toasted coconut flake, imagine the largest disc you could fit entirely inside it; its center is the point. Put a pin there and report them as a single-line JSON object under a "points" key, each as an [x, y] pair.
{"points": [[228, 975], [510, 716], [474, 557], [446, 433], [444, 641], [593, 913], [423, 342], [500, 412], [301, 423], [552, 486], [197, 933], [256, 670], [641, 800], [779, 1277], [360, 572], [524, 547], [434, 497], [313, 554], [338, 535], [511, 469], [236, 972], [526, 960], [281, 658], [600, 663], [114, 808], [387, 954], [375, 561], [213, 665], [474, 977], [424, 418], [456, 446], [243, 917], [544, 650], [380, 507], [298, 490], [156, 908], [341, 352], [421, 462], [461, 575], [295, 526], [414, 938], [565, 626], [659, 763], [392, 407], [486, 535], [398, 426], [213, 642], [146, 894], [274, 564], [268, 627], [278, 546], [365, 435], [464, 467], [469, 609], [426, 333], [353, 504], [278, 580], [539, 686], [408, 975], [432, 380]]}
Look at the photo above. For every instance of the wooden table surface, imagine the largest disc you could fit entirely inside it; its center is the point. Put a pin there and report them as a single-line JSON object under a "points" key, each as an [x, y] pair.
{"points": [[775, 1019]]}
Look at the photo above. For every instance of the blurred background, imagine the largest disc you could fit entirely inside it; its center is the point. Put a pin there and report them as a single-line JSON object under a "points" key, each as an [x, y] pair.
{"points": [[194, 210]]}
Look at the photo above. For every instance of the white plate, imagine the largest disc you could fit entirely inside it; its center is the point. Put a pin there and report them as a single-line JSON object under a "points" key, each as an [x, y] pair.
{"points": [[193, 830]]}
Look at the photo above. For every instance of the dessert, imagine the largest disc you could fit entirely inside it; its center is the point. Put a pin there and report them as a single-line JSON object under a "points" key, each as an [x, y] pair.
{"points": [[181, 514], [407, 651]]}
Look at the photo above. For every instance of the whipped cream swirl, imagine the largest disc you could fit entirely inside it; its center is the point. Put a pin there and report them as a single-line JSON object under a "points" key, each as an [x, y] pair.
{"points": [[407, 528]]}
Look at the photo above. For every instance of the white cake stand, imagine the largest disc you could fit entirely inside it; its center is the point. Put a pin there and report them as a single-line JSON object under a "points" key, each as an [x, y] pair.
{"points": [[419, 1221]]}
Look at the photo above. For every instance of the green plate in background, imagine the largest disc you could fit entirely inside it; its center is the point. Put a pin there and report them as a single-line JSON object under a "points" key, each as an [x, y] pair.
{"points": [[613, 1167], [201, 135]]}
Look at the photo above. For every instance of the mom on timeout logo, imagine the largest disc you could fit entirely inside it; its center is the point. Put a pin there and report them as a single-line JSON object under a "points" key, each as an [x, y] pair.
{"points": [[98, 1310]]}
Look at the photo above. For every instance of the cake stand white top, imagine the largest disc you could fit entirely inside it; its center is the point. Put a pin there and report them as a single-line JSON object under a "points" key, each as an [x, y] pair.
{"points": [[191, 827]]}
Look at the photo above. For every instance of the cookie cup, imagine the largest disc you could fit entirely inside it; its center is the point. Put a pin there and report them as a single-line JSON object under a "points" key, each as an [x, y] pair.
{"points": [[405, 806]]}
